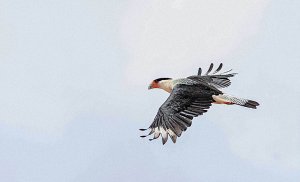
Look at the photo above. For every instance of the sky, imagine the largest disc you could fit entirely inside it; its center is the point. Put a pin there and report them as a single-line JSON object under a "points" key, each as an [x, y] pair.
{"points": [[74, 77]]}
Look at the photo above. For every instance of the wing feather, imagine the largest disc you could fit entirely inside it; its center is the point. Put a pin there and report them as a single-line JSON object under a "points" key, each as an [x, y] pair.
{"points": [[220, 80], [177, 112], [218, 69], [209, 69]]}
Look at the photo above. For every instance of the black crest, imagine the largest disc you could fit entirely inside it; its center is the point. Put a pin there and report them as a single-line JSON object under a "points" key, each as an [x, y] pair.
{"points": [[160, 79]]}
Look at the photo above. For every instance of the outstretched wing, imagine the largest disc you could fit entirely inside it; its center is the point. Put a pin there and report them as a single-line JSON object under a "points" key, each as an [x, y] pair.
{"points": [[220, 80], [176, 113]]}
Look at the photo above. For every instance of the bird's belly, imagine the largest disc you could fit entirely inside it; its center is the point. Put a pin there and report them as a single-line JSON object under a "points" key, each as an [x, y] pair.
{"points": [[220, 100]]}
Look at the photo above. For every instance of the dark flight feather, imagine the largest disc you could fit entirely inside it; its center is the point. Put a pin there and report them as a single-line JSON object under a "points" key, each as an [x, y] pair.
{"points": [[209, 69], [199, 71], [176, 113], [218, 69]]}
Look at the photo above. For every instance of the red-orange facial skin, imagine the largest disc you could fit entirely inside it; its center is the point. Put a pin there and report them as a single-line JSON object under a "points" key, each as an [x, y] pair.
{"points": [[154, 85]]}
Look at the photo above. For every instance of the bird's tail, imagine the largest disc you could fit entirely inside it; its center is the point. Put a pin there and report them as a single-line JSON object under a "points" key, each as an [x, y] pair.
{"points": [[227, 99]]}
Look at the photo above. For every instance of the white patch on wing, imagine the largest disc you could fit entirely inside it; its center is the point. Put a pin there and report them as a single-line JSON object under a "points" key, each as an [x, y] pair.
{"points": [[170, 132], [163, 132], [156, 133]]}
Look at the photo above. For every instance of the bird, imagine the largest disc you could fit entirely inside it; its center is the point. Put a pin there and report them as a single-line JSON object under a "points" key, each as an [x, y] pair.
{"points": [[191, 97]]}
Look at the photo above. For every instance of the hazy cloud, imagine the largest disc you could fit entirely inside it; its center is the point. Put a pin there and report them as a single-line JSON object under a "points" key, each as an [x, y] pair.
{"points": [[183, 34]]}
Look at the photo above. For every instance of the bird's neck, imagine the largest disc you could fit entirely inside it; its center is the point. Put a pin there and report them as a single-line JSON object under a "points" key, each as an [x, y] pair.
{"points": [[166, 85]]}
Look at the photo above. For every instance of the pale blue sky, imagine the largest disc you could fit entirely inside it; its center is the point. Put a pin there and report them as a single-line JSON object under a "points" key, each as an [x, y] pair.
{"points": [[74, 77]]}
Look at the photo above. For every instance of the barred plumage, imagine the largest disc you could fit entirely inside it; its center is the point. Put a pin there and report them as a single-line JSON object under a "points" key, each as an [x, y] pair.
{"points": [[189, 98]]}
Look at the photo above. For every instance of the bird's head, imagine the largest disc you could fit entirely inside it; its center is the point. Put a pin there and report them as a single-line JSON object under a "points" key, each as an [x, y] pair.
{"points": [[156, 83]]}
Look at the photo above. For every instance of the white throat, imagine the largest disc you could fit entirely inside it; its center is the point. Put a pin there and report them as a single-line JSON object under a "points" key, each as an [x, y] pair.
{"points": [[166, 85]]}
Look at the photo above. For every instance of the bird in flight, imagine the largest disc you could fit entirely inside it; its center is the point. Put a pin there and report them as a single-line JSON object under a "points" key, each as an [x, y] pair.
{"points": [[189, 98]]}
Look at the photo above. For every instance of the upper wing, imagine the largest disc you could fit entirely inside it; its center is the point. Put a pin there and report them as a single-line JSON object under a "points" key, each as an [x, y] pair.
{"points": [[177, 112], [220, 80]]}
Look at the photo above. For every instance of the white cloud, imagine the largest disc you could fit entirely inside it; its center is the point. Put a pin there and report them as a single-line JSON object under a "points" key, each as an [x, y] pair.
{"points": [[183, 34]]}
